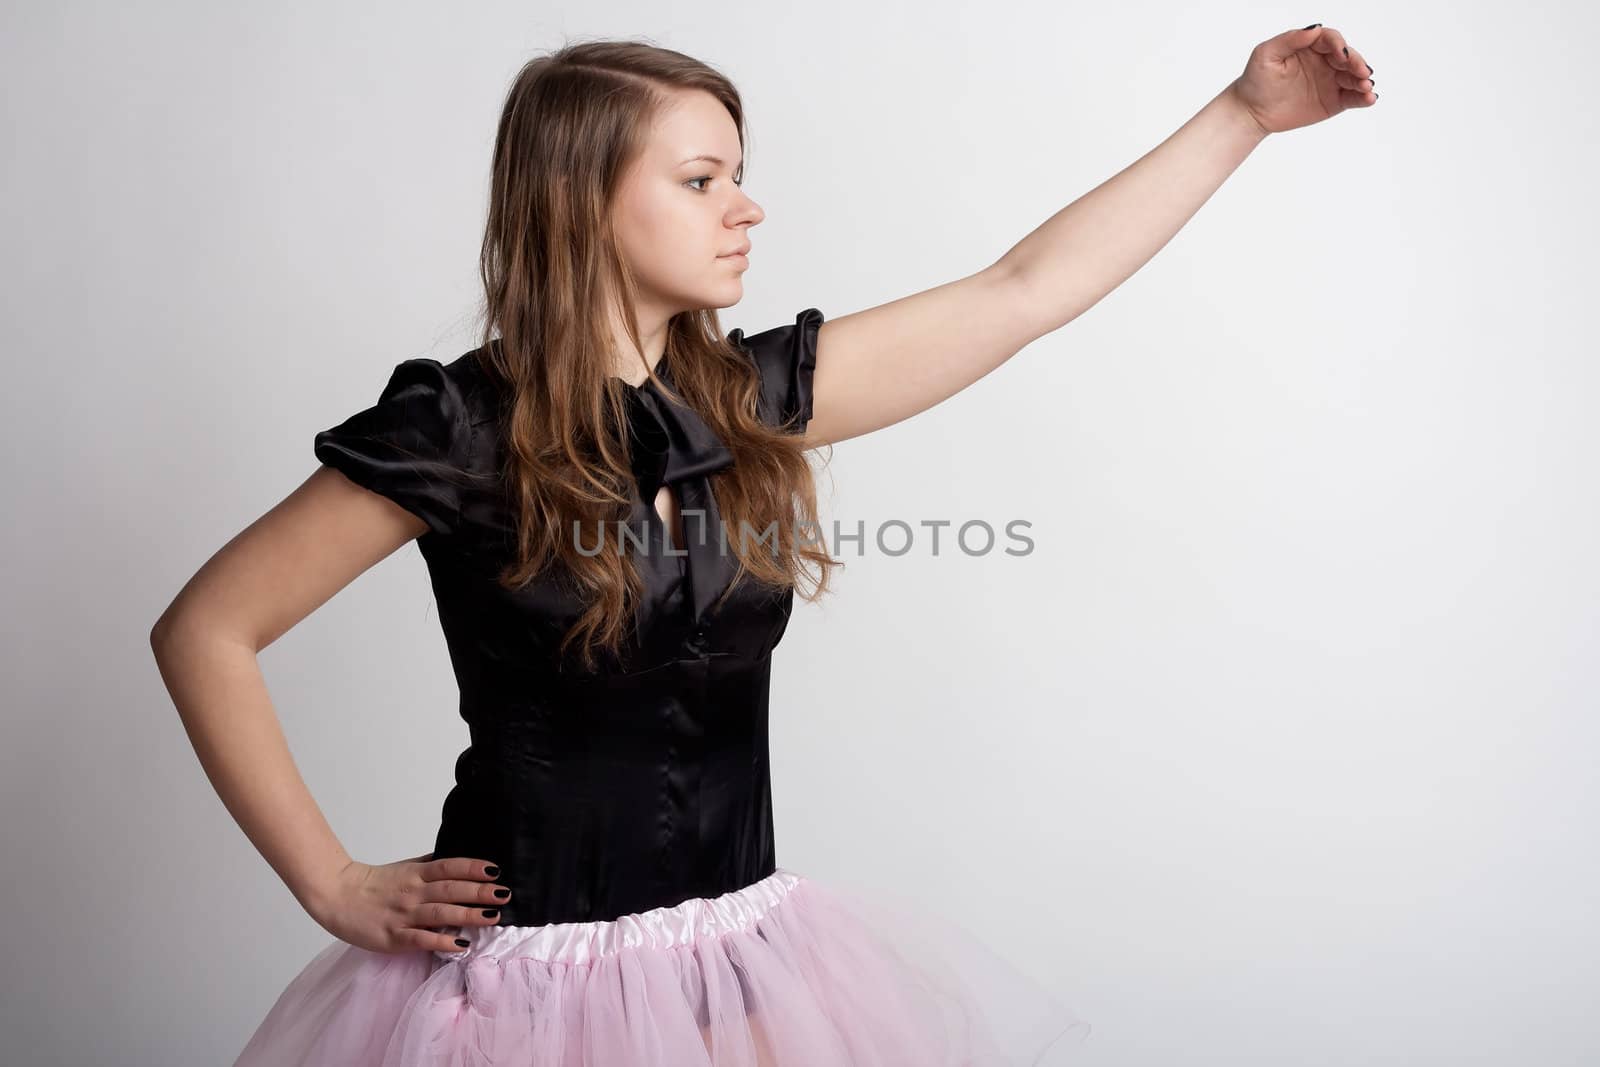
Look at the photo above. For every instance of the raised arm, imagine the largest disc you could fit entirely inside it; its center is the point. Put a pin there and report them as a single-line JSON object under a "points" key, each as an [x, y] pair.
{"points": [[878, 367]]}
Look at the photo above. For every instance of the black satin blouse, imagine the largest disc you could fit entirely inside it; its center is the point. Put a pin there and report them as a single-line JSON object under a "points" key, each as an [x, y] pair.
{"points": [[606, 792]]}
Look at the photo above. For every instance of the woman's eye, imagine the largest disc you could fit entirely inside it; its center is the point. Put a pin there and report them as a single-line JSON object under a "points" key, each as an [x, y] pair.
{"points": [[709, 177]]}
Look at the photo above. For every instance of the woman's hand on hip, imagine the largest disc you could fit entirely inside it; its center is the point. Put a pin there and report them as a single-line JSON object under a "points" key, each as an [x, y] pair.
{"points": [[400, 906]]}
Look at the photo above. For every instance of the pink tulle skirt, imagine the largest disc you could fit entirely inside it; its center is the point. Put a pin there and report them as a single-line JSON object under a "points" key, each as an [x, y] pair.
{"points": [[782, 973]]}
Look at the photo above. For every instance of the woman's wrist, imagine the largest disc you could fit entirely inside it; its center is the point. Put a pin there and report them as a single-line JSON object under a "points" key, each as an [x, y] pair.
{"points": [[318, 887], [1231, 99]]}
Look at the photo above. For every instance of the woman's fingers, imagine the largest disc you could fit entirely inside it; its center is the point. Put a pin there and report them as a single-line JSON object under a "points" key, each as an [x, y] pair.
{"points": [[451, 894], [459, 867], [1329, 43], [1358, 65], [1351, 72], [452, 891], [411, 937], [1333, 47], [436, 913]]}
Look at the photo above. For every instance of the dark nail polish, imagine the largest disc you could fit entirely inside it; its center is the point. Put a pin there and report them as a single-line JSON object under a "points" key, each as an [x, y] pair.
{"points": [[492, 872], [1346, 51], [501, 894], [491, 913], [1370, 67], [1313, 26], [463, 942]]}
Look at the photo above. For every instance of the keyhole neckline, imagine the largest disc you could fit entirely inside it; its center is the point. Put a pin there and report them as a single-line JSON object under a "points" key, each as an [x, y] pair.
{"points": [[670, 529]]}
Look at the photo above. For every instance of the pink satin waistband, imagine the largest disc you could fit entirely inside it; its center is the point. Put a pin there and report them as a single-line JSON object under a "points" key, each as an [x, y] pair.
{"points": [[679, 924]]}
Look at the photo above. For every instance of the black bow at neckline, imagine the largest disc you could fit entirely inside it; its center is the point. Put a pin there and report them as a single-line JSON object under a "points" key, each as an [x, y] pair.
{"points": [[670, 442]]}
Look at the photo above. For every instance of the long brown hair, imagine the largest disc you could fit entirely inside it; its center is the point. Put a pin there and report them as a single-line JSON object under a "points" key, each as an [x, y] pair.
{"points": [[574, 120]]}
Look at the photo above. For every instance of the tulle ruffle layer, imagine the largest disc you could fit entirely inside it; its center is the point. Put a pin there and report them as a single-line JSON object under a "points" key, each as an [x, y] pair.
{"points": [[782, 973]]}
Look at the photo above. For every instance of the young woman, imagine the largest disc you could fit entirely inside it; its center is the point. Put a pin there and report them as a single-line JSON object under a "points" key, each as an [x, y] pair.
{"points": [[614, 504]]}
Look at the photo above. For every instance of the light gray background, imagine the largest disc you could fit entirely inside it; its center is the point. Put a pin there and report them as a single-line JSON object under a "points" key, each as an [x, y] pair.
{"points": [[1279, 747]]}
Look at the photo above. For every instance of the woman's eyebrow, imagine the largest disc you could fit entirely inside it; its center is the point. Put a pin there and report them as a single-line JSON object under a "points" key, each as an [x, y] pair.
{"points": [[707, 159]]}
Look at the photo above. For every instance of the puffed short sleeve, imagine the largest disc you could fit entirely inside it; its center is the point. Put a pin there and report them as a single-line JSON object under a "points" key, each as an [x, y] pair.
{"points": [[786, 357], [410, 446]]}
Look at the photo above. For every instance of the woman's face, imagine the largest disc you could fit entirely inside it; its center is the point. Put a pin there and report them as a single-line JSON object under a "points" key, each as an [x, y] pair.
{"points": [[677, 217]]}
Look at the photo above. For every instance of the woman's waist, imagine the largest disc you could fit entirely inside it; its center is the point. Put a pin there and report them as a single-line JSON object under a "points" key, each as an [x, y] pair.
{"points": [[574, 868]]}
